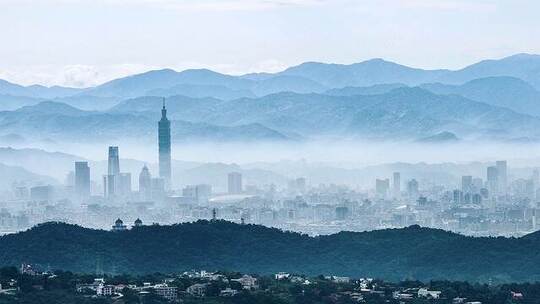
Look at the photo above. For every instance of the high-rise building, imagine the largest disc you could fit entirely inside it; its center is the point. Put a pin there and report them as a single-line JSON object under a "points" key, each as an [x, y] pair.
{"points": [[467, 184], [477, 199], [158, 188], [41, 193], [492, 180], [82, 180], [478, 183], [234, 183], [530, 190], [412, 189], [200, 193], [536, 178], [112, 178], [396, 184], [502, 175], [145, 184], [124, 184], [114, 161], [164, 143], [109, 185], [457, 197], [381, 187]]}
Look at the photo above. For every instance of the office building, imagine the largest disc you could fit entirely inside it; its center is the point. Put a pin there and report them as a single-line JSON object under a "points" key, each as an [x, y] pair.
{"points": [[199, 193], [164, 143], [114, 161], [502, 175], [41, 193], [158, 188], [396, 184], [467, 184], [111, 179], [478, 184], [82, 181], [412, 189], [124, 184], [145, 184], [234, 183], [492, 180], [382, 186], [109, 186]]}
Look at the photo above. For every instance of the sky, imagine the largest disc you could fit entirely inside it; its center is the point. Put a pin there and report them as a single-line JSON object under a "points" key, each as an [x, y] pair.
{"points": [[87, 42]]}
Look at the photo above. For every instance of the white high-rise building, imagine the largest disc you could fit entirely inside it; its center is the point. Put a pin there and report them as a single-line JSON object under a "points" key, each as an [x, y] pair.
{"points": [[502, 175], [492, 180], [467, 184], [234, 184], [396, 184]]}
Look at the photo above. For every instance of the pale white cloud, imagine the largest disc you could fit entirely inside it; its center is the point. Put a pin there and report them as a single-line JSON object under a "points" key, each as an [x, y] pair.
{"points": [[225, 5], [450, 5], [182, 5], [78, 75], [82, 75]]}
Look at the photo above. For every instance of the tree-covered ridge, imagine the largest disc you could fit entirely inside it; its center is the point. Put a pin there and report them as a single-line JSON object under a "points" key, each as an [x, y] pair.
{"points": [[394, 254]]}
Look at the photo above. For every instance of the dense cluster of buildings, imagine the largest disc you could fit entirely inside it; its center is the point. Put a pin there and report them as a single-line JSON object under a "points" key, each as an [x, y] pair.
{"points": [[224, 287], [495, 203]]}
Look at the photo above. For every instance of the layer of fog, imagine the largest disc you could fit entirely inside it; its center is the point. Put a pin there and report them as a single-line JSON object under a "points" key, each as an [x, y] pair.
{"points": [[353, 163], [349, 154]]}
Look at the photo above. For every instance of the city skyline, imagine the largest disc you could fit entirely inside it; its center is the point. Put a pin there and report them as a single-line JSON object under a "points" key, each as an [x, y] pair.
{"points": [[269, 151]]}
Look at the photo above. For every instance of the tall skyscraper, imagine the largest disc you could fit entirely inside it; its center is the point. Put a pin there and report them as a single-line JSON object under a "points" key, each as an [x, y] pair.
{"points": [[114, 161], [412, 189], [164, 143], [381, 187], [536, 178], [111, 180], [492, 180], [478, 184], [467, 184], [502, 175], [234, 183], [110, 186], [124, 184], [82, 180], [396, 184], [145, 184]]}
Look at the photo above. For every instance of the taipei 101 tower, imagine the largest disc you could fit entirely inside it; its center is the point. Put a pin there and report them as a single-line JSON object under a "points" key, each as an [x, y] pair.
{"points": [[164, 141]]}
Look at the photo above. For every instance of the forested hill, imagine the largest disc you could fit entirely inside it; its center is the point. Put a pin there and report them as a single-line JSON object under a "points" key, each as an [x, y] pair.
{"points": [[394, 254]]}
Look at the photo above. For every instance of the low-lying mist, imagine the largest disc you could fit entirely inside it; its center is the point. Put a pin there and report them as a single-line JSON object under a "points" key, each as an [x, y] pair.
{"points": [[353, 163], [336, 152]]}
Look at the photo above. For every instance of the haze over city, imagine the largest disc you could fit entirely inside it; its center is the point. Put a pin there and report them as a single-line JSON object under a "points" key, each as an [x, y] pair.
{"points": [[265, 151]]}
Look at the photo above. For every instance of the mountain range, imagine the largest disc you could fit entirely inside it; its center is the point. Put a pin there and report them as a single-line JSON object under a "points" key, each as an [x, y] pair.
{"points": [[11, 175], [391, 254], [492, 99]]}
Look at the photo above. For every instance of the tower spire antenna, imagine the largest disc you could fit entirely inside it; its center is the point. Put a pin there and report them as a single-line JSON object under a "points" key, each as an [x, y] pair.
{"points": [[163, 102]]}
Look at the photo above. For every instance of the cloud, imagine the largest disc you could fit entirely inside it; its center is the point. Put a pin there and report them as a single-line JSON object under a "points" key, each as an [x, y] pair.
{"points": [[449, 5], [78, 75], [83, 75], [225, 5], [184, 5]]}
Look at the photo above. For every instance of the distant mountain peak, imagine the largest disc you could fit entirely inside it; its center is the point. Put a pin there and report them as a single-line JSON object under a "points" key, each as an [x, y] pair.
{"points": [[521, 56], [50, 107]]}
